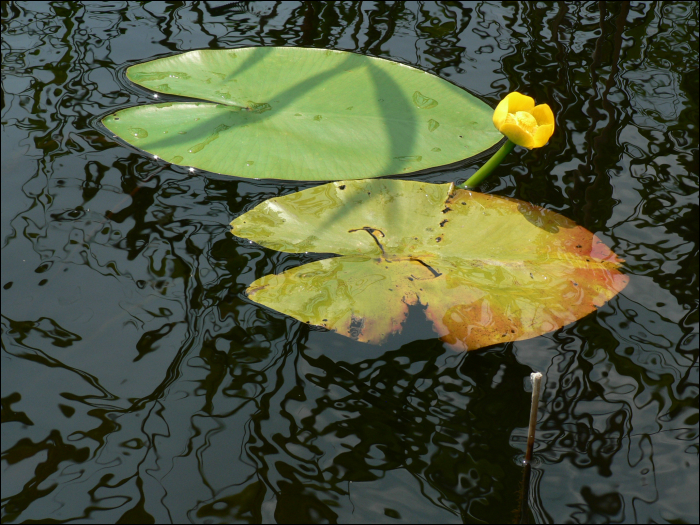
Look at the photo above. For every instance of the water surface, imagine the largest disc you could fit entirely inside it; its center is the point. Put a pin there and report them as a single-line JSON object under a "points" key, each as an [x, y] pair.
{"points": [[139, 384]]}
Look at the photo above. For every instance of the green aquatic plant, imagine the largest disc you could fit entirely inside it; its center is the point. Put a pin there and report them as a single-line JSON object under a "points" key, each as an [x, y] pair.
{"points": [[523, 123], [486, 269], [302, 114], [310, 114]]}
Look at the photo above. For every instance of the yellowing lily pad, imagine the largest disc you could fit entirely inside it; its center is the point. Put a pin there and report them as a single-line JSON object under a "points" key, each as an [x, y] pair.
{"points": [[302, 114], [487, 269]]}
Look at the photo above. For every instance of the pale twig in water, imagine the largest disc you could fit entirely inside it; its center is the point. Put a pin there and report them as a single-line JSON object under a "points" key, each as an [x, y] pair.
{"points": [[536, 378], [522, 515]]}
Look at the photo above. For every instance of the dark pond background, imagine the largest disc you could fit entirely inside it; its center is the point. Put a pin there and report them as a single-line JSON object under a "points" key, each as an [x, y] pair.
{"points": [[139, 384]]}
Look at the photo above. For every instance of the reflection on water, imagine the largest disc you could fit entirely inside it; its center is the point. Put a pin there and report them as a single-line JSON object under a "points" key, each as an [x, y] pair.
{"points": [[139, 384]]}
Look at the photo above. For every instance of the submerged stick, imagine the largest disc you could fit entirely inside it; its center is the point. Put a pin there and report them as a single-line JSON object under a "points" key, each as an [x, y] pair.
{"points": [[536, 378]]}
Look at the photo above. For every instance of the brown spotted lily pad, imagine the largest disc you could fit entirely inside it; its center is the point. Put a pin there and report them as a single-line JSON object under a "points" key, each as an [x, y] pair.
{"points": [[487, 269]]}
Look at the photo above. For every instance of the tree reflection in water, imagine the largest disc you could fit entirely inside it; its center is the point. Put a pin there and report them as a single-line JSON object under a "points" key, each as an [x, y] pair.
{"points": [[139, 384]]}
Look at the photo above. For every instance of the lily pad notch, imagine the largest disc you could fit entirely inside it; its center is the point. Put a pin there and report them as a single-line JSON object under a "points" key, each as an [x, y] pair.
{"points": [[302, 114], [524, 271]]}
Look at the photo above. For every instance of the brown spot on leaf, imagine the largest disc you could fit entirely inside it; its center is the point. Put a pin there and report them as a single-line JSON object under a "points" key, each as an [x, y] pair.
{"points": [[356, 326], [477, 325]]}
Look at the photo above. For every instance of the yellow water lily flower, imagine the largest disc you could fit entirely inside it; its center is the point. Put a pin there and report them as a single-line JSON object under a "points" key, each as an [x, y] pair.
{"points": [[525, 124]]}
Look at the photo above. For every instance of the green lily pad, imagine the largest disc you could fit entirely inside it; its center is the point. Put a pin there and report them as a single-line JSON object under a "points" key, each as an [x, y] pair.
{"points": [[302, 114], [487, 269]]}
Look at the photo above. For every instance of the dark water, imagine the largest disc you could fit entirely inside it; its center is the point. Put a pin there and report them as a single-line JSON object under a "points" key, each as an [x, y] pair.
{"points": [[139, 384]]}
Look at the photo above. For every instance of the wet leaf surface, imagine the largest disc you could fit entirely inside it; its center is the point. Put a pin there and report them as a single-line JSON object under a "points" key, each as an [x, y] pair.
{"points": [[241, 413], [302, 114], [486, 269]]}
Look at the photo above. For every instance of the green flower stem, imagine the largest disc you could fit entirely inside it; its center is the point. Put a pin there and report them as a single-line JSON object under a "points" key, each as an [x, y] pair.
{"points": [[485, 170]]}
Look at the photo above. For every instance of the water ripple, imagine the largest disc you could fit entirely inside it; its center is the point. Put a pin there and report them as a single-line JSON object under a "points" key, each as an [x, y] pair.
{"points": [[140, 384]]}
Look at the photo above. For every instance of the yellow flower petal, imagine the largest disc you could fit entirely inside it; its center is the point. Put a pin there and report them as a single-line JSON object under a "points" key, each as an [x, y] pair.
{"points": [[519, 102], [542, 135], [526, 121], [499, 116], [517, 134], [525, 124], [543, 114]]}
